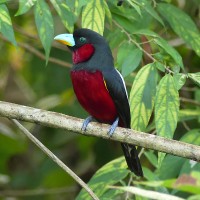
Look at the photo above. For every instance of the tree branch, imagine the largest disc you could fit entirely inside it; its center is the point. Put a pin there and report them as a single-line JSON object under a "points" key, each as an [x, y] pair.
{"points": [[73, 124]]}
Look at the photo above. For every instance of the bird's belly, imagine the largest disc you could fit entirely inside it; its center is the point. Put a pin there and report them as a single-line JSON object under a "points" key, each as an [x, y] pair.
{"points": [[92, 94]]}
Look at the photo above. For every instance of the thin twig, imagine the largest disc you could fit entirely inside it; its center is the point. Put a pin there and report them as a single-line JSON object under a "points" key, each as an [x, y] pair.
{"points": [[129, 184], [186, 126], [134, 42], [34, 37], [185, 100], [139, 47], [40, 55], [57, 120], [188, 89], [55, 159]]}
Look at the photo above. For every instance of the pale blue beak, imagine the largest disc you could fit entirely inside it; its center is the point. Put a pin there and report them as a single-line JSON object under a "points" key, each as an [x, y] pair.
{"points": [[66, 39]]}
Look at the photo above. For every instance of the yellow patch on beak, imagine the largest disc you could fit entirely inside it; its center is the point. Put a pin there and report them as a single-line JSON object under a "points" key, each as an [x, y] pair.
{"points": [[64, 42]]}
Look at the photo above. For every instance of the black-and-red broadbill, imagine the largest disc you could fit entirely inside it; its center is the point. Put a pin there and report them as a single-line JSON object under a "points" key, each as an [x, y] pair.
{"points": [[99, 87]]}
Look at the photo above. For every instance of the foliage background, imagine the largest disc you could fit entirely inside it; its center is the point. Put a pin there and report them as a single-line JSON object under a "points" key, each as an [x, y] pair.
{"points": [[156, 46]]}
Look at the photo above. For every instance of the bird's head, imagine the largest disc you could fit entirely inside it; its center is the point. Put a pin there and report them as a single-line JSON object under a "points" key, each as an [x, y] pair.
{"points": [[86, 45]]}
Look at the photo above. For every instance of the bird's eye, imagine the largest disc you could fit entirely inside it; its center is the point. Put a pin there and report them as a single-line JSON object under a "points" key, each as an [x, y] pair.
{"points": [[82, 39]]}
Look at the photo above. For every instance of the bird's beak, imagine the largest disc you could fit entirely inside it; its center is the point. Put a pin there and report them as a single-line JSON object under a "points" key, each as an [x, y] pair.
{"points": [[66, 39]]}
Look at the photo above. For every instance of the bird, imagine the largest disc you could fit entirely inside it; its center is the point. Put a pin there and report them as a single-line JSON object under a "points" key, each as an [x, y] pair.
{"points": [[99, 86]]}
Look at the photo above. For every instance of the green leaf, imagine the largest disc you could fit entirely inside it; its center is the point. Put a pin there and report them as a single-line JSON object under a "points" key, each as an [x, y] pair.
{"points": [[131, 62], [111, 194], [161, 157], [166, 110], [189, 166], [168, 166], [183, 166], [182, 24], [24, 6], [195, 77], [147, 6], [179, 80], [149, 175], [170, 50], [93, 16], [111, 173], [6, 24], [3, 1], [65, 13], [166, 107], [135, 6], [197, 98], [107, 12], [192, 137], [152, 158], [45, 27], [185, 183], [78, 5], [160, 66], [124, 49], [142, 97], [115, 38], [150, 194], [9, 146], [146, 32]]}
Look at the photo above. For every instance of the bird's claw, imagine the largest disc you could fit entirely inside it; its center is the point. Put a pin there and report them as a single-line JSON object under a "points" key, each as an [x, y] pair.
{"points": [[86, 122], [113, 127]]}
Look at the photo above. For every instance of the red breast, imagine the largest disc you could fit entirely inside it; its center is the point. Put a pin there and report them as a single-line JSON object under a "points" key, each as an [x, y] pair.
{"points": [[93, 95]]}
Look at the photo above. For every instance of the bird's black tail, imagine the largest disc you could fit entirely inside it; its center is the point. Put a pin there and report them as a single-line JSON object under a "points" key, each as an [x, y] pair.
{"points": [[133, 162]]}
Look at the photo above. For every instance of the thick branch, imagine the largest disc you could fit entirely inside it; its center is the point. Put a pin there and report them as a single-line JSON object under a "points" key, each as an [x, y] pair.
{"points": [[58, 120]]}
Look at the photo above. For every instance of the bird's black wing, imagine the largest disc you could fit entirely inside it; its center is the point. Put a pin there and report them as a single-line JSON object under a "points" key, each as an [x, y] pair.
{"points": [[117, 90]]}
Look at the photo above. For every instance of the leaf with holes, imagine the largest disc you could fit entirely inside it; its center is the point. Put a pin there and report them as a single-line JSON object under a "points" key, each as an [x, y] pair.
{"points": [[65, 13], [182, 24], [45, 27], [6, 24], [93, 16], [142, 97]]}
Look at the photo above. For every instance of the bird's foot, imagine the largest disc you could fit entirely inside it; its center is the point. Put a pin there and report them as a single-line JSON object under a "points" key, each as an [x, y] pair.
{"points": [[86, 122], [113, 127]]}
